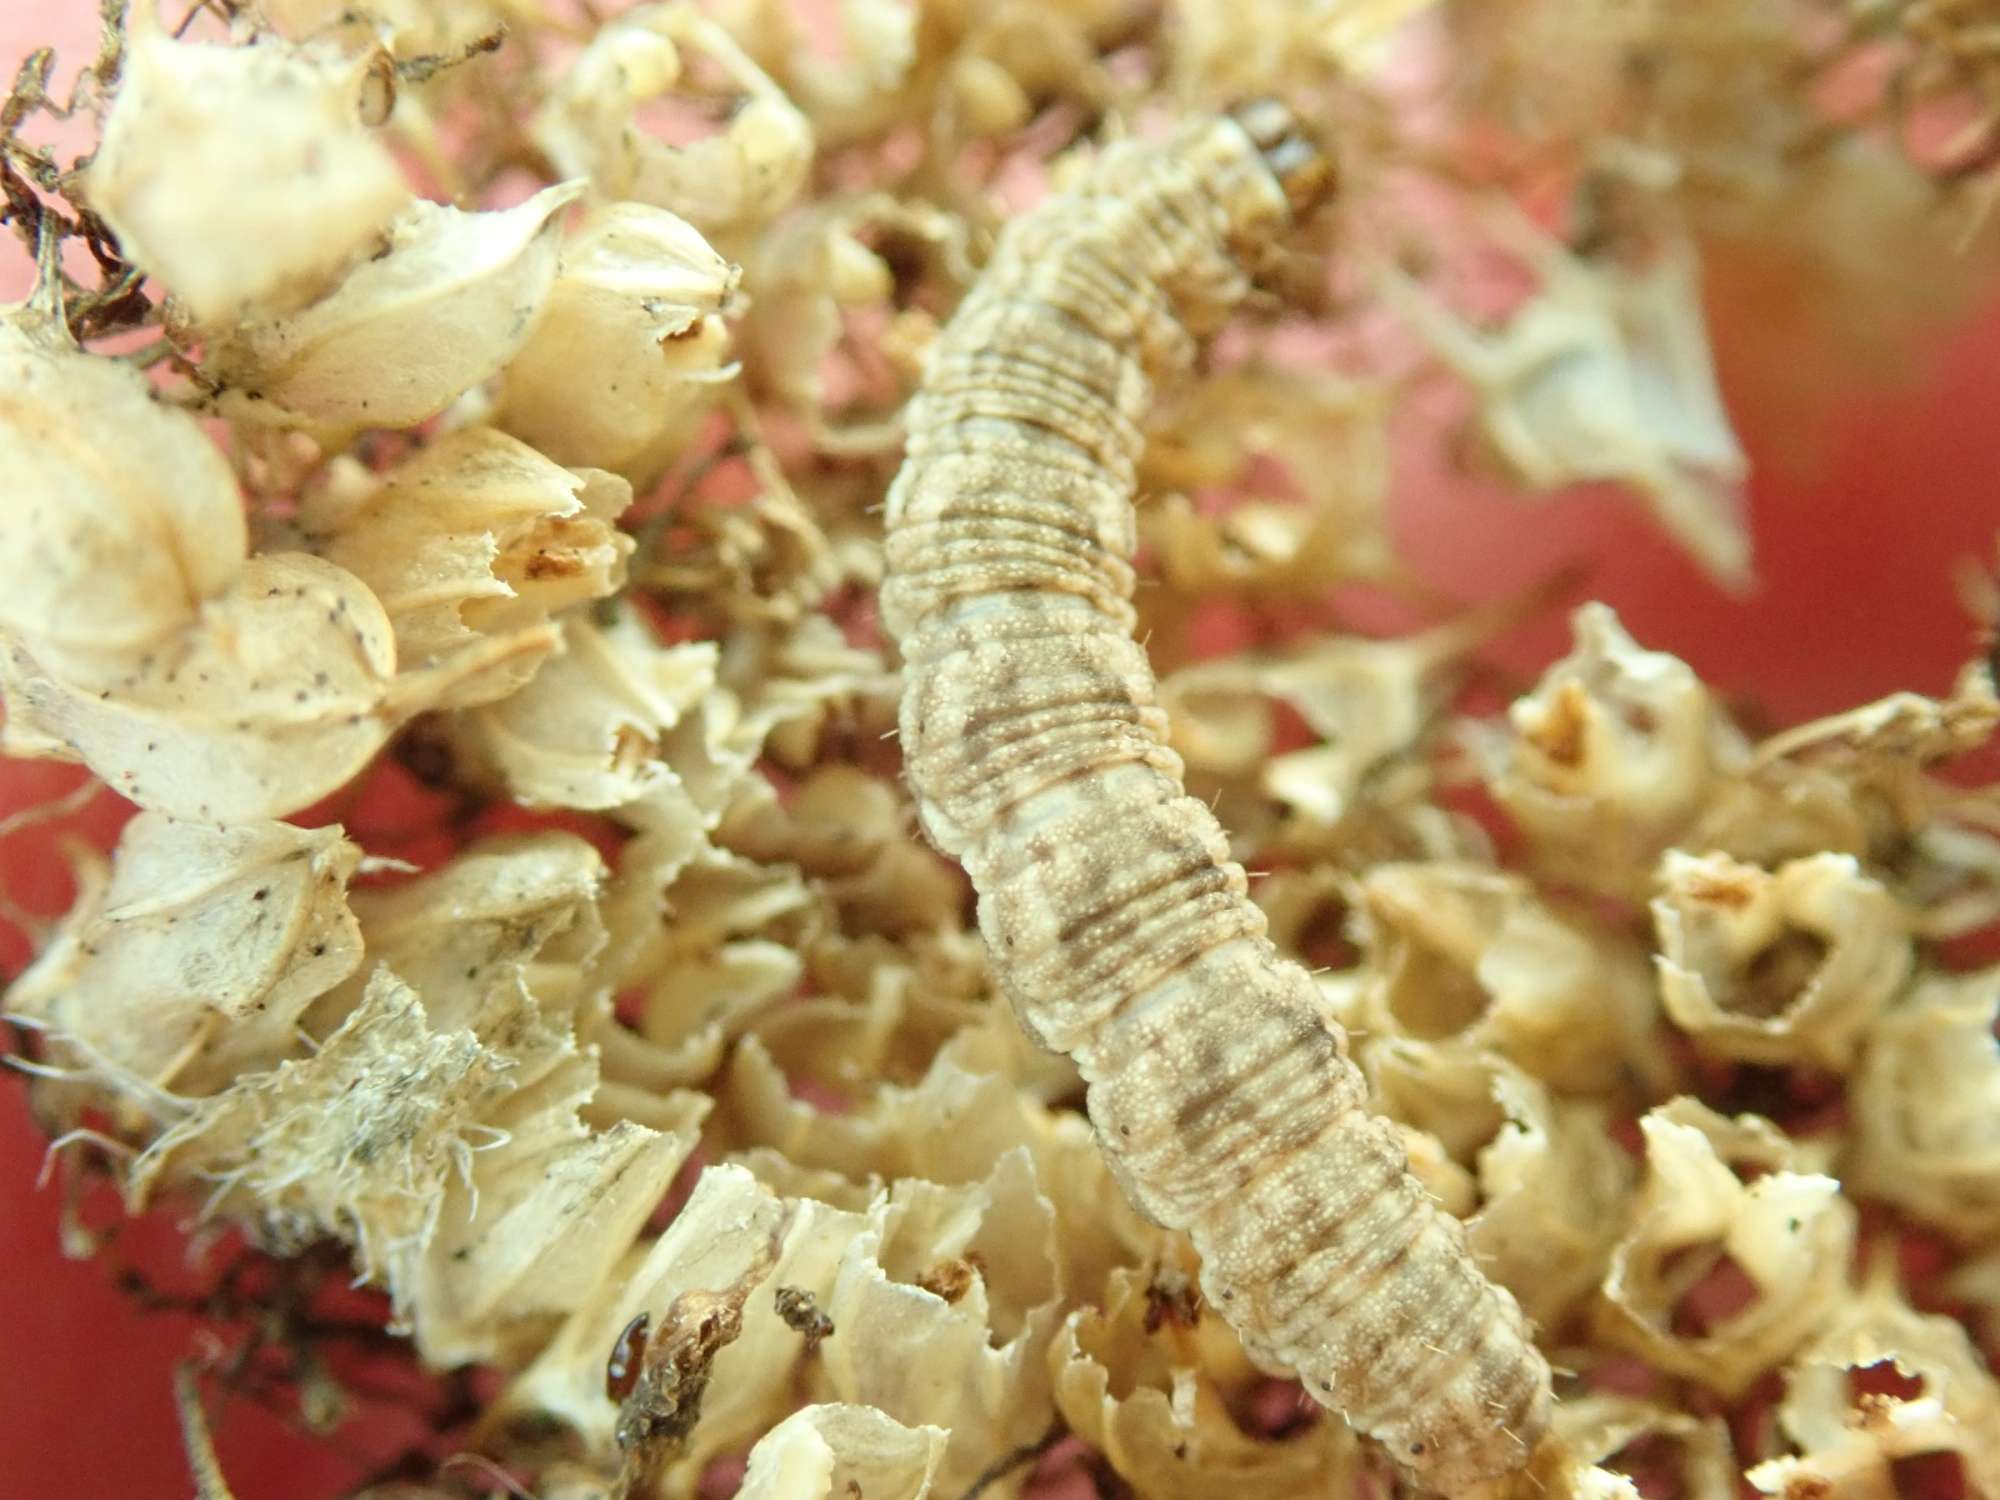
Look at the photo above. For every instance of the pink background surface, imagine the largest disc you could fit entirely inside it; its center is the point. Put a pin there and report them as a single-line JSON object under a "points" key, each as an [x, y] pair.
{"points": [[1855, 541]]}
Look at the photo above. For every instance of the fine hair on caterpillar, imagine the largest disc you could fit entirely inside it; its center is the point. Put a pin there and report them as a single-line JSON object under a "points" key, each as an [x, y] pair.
{"points": [[1119, 926]]}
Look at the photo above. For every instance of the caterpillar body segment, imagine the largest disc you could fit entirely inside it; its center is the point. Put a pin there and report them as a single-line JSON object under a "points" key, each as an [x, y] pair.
{"points": [[1118, 924]]}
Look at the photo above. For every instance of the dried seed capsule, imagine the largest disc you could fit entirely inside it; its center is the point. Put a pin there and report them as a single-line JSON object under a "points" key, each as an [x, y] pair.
{"points": [[244, 178], [1222, 1096], [122, 519], [451, 300]]}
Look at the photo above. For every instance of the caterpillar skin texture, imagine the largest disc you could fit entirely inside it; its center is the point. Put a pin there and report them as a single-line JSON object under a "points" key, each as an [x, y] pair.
{"points": [[1117, 922]]}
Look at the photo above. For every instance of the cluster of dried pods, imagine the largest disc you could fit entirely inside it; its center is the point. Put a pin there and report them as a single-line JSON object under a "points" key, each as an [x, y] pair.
{"points": [[533, 631]]}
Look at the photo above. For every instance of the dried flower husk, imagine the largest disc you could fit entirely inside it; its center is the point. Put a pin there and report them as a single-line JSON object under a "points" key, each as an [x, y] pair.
{"points": [[476, 540], [1856, 783], [1547, 1197], [1155, 1382], [1553, 1186], [1610, 758], [243, 177], [629, 350], [1790, 965], [1225, 50], [814, 272], [123, 520], [1926, 1106], [1597, 1428], [1605, 374], [191, 959], [967, 1356], [408, 28], [506, 916], [358, 1138], [1329, 434], [1848, 1446], [617, 721], [861, 91], [1788, 1233], [964, 1112], [457, 1169], [545, 1212], [451, 300], [726, 184], [1468, 952], [833, 1451], [282, 690]]}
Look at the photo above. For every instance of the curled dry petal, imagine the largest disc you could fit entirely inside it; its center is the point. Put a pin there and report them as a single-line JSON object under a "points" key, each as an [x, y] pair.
{"points": [[813, 274], [1600, 1428], [1950, 1403], [282, 690], [195, 959], [1371, 702], [242, 177], [627, 356], [860, 91], [1157, 1383], [1784, 966], [730, 182], [834, 1451], [1610, 758], [476, 540], [1554, 1187], [547, 1210], [507, 915], [614, 722], [1463, 951], [1926, 1106], [1549, 1197], [268, 701], [122, 519], [409, 28], [1717, 1279], [452, 299], [1605, 374], [941, 1302]]}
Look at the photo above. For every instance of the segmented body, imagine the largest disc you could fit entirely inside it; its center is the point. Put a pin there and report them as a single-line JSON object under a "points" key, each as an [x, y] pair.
{"points": [[1117, 922]]}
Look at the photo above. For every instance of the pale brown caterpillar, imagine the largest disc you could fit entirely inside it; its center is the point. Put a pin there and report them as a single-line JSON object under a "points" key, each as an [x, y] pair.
{"points": [[1117, 922]]}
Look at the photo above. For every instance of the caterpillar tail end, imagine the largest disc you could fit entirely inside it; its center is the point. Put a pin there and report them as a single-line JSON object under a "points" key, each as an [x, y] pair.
{"points": [[1302, 165]]}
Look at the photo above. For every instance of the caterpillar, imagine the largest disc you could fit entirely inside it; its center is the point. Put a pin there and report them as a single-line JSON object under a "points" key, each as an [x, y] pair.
{"points": [[1118, 925]]}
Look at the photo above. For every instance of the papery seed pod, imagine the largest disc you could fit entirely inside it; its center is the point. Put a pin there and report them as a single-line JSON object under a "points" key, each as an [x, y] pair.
{"points": [[476, 539], [1464, 951], [1610, 758], [406, 333], [122, 519], [1724, 1198], [1605, 374], [615, 722], [834, 1451], [1117, 922], [242, 177], [1851, 1443], [631, 348], [811, 273], [724, 184], [1152, 1378], [283, 688], [409, 28], [1789, 966], [194, 960], [1926, 1106]]}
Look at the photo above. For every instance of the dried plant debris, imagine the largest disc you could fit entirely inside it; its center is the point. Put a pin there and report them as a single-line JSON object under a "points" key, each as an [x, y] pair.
{"points": [[830, 981]]}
